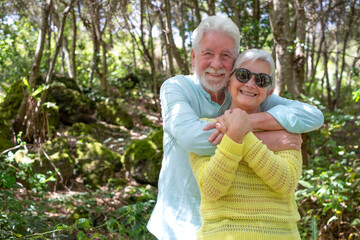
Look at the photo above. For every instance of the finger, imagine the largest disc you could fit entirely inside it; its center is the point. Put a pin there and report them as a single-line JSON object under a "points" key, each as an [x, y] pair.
{"points": [[221, 127], [213, 135], [218, 139], [209, 126], [294, 146]]}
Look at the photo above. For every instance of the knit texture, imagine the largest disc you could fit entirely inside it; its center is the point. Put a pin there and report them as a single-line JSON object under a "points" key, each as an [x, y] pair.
{"points": [[247, 191]]}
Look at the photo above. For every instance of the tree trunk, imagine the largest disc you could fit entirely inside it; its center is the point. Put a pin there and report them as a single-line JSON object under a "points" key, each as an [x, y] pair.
{"points": [[326, 76], [27, 104], [348, 30], [197, 12], [59, 41], [73, 46], [280, 25], [234, 4], [174, 50], [211, 4], [299, 55]]}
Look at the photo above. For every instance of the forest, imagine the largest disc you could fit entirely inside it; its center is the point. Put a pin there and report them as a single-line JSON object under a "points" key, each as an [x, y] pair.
{"points": [[80, 116]]}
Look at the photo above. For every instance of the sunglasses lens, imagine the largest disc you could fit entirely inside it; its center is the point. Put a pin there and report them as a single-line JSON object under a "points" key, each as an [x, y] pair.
{"points": [[263, 80], [243, 75]]}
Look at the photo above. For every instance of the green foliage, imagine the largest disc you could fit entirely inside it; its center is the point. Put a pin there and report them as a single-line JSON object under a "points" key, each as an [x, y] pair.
{"points": [[326, 193]]}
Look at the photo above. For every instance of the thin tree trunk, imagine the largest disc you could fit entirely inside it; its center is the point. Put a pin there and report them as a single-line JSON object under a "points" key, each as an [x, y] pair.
{"points": [[197, 12], [234, 4], [59, 40], [73, 46], [299, 55], [66, 56], [211, 4], [34, 71], [353, 66], [280, 25], [347, 34], [326, 72], [175, 52]]}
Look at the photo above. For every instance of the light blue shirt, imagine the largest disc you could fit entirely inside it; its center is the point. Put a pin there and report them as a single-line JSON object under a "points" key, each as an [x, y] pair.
{"points": [[184, 101]]}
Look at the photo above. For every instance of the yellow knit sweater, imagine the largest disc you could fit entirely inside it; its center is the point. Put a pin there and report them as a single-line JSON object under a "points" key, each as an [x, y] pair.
{"points": [[247, 191]]}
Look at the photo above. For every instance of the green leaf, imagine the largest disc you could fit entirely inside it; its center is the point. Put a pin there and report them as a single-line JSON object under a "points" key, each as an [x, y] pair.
{"points": [[355, 222], [305, 184], [81, 236]]}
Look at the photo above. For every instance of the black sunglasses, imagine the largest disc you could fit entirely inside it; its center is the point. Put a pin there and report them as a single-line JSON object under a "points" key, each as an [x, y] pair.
{"points": [[243, 75]]}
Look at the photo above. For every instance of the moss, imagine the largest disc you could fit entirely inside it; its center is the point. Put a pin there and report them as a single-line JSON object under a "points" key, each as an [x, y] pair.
{"points": [[143, 160], [12, 101], [70, 83], [80, 129], [73, 105], [157, 138], [5, 135], [96, 172], [58, 151], [96, 164], [115, 114]]}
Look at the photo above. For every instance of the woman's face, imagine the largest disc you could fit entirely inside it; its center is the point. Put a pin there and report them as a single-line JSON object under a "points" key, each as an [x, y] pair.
{"points": [[248, 96]]}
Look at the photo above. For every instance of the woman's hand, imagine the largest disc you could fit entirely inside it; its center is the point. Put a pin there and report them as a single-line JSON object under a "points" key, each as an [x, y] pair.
{"points": [[237, 124]]}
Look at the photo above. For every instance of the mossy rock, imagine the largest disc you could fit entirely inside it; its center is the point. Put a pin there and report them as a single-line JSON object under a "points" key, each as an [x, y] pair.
{"points": [[73, 105], [70, 83], [58, 151], [80, 129], [115, 114], [157, 138], [143, 160], [10, 106], [95, 173], [5, 136], [95, 163]]}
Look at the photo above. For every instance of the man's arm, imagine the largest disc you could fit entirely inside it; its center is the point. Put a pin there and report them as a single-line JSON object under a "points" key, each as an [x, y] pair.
{"points": [[294, 116], [180, 120]]}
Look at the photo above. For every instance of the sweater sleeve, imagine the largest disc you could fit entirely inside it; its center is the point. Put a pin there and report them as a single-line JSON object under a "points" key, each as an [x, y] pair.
{"points": [[281, 171], [215, 174]]}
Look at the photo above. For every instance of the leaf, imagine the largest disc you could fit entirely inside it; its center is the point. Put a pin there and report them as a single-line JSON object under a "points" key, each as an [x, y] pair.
{"points": [[81, 236], [355, 222], [332, 219], [26, 83], [305, 184]]}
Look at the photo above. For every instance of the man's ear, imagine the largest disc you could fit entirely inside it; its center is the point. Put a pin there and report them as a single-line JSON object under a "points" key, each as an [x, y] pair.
{"points": [[192, 58], [269, 92]]}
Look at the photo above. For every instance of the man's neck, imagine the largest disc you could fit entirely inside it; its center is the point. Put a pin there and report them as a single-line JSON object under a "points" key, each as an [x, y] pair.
{"points": [[217, 97]]}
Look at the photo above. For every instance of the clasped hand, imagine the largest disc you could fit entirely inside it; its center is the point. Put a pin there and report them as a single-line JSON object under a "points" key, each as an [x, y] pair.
{"points": [[238, 120]]}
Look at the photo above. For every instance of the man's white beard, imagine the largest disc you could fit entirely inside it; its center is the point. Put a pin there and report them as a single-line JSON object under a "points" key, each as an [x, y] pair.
{"points": [[213, 86]]}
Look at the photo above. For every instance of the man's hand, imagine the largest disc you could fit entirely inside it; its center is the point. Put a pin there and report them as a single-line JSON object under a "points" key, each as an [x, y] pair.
{"points": [[280, 140], [219, 131]]}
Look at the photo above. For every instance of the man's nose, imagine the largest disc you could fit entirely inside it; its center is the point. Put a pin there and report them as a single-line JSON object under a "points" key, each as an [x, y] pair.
{"points": [[217, 63]]}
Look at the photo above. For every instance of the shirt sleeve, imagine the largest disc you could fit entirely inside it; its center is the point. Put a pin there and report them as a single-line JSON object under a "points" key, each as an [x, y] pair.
{"points": [[181, 122], [294, 116], [215, 174], [281, 171]]}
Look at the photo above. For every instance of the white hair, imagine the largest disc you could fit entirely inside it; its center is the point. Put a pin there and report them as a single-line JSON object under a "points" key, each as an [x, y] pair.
{"points": [[257, 54], [216, 23]]}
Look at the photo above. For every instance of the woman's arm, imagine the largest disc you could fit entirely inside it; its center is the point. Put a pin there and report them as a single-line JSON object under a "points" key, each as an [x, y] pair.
{"points": [[215, 174], [281, 171]]}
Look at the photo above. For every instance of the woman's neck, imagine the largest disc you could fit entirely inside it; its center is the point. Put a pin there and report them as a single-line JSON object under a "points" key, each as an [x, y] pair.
{"points": [[249, 111]]}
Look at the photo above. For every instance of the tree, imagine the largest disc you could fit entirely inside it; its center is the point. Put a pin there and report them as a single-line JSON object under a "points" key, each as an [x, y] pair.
{"points": [[280, 25]]}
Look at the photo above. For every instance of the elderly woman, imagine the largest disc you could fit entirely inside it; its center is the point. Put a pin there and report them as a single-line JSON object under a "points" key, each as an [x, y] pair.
{"points": [[247, 191]]}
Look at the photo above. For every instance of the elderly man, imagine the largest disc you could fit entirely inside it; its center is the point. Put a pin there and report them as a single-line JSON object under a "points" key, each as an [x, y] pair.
{"points": [[186, 99]]}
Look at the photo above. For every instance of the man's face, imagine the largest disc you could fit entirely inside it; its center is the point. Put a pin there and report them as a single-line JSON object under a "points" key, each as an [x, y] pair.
{"points": [[214, 60]]}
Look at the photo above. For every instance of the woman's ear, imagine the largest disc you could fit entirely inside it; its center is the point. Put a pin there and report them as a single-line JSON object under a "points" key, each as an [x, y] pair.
{"points": [[269, 92]]}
